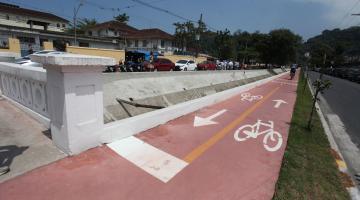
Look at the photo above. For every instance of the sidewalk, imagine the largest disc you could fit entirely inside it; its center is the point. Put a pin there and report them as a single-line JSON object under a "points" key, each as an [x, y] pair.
{"points": [[180, 159], [23, 143]]}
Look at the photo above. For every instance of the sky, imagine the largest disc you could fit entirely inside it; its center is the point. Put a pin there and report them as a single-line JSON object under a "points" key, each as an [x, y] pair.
{"points": [[307, 18]]}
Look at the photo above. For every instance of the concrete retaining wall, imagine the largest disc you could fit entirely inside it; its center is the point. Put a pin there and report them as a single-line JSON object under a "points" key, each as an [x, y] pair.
{"points": [[167, 88]]}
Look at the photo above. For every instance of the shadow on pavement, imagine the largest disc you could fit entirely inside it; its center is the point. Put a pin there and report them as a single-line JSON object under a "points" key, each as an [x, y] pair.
{"points": [[8, 153]]}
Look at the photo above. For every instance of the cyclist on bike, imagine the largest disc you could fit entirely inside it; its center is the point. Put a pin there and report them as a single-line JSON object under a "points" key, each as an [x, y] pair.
{"points": [[292, 71]]}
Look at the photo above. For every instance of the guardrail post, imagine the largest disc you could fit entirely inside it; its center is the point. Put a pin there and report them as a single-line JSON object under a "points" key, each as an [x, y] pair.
{"points": [[75, 99]]}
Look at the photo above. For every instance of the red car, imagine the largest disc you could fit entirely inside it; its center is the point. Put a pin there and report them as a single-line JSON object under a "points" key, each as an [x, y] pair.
{"points": [[206, 65], [160, 64]]}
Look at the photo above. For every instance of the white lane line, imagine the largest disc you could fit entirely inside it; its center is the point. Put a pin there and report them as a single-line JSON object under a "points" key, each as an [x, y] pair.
{"points": [[152, 160]]}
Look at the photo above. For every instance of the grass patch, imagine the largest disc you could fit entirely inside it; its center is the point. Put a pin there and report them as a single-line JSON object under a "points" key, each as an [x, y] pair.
{"points": [[308, 170]]}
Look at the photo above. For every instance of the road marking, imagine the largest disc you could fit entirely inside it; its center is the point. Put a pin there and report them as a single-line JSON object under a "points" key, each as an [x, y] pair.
{"points": [[249, 131], [279, 102], [250, 98], [197, 152], [158, 163], [199, 121]]}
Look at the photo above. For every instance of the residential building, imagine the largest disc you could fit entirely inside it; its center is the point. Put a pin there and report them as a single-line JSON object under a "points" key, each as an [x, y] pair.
{"points": [[33, 28], [13, 15], [131, 38], [151, 39]]}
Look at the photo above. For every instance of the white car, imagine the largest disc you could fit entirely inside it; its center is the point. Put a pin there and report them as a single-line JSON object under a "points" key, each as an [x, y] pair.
{"points": [[185, 65], [26, 61]]}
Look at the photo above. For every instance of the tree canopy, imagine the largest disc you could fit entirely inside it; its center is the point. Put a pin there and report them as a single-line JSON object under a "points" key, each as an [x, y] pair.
{"points": [[124, 18], [82, 25], [335, 44], [280, 46]]}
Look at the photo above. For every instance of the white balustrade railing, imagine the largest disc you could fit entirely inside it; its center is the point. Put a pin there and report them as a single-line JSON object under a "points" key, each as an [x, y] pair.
{"points": [[25, 85]]}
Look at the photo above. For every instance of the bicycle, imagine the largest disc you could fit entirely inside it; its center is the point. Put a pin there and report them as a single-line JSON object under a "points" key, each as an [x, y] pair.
{"points": [[247, 96], [253, 131]]}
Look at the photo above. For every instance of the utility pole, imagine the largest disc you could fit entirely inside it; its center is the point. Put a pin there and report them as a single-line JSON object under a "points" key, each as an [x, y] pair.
{"points": [[198, 35], [76, 10]]}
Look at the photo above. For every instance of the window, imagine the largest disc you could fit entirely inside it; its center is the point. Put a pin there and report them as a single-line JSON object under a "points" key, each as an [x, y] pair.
{"points": [[145, 43], [58, 25], [162, 43], [63, 25], [191, 62], [7, 17], [136, 43], [26, 39], [90, 33]]}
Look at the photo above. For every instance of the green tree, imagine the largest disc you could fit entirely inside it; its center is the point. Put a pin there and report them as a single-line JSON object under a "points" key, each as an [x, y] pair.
{"points": [[185, 35], [283, 46], [245, 47], [224, 45], [82, 25], [123, 18], [343, 45], [321, 54], [180, 35]]}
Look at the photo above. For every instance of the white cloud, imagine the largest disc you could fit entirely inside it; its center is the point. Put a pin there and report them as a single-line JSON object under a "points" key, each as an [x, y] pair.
{"points": [[337, 10]]}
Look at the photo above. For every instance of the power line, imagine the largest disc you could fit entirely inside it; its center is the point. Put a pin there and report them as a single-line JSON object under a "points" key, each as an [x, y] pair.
{"points": [[169, 12], [91, 3], [162, 10], [348, 13]]}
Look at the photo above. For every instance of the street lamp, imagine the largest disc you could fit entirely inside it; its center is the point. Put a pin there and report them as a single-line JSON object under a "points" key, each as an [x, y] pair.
{"points": [[76, 10]]}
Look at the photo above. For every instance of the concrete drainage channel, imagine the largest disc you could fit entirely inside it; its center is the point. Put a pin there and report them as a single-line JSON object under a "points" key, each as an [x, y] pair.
{"points": [[131, 94]]}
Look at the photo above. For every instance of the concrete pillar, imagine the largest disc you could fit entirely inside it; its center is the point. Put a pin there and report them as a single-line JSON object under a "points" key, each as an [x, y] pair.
{"points": [[75, 99]]}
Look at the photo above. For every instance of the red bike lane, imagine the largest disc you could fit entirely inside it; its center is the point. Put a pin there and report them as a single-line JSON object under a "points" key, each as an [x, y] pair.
{"points": [[214, 164]]}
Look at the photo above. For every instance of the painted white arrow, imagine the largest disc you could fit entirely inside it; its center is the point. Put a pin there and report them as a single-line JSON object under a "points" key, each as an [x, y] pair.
{"points": [[200, 121], [279, 102]]}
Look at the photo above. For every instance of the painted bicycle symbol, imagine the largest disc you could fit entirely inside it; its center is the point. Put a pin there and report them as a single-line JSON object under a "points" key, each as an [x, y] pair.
{"points": [[249, 97], [253, 131]]}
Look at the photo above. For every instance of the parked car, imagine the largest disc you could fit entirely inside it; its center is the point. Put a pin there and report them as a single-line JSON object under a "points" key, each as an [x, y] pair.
{"points": [[26, 61], [160, 64], [206, 65], [185, 65]]}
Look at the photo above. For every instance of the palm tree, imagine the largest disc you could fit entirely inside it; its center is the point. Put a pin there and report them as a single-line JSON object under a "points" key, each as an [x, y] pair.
{"points": [[180, 35], [83, 25], [123, 18]]}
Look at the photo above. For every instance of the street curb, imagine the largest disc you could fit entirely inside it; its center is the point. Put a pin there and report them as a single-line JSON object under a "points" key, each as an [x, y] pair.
{"points": [[353, 191]]}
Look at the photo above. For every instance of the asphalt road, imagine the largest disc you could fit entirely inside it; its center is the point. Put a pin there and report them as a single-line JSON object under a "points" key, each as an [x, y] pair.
{"points": [[343, 99]]}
